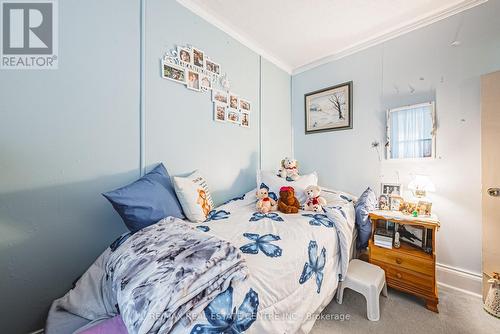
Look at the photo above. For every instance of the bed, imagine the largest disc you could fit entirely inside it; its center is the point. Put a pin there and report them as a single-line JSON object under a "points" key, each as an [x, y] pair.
{"points": [[294, 262]]}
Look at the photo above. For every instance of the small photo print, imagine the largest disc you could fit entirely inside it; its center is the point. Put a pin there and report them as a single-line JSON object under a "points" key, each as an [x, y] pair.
{"points": [[206, 83], [233, 101], [185, 55], [193, 80], [173, 72], [212, 67], [233, 117], [220, 96], [198, 58], [245, 120], [391, 188], [244, 105], [219, 112]]}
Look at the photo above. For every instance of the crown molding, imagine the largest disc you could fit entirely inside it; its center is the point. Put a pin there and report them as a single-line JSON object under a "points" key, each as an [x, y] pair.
{"points": [[404, 29], [207, 16]]}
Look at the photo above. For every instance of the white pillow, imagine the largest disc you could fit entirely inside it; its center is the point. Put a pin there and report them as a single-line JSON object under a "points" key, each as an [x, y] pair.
{"points": [[194, 196], [275, 182]]}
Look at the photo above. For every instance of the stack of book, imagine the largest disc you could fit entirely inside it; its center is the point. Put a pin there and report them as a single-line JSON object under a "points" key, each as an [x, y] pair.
{"points": [[383, 238]]}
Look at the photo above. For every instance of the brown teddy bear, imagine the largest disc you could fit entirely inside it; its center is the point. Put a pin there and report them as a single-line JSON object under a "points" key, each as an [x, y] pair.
{"points": [[287, 202]]}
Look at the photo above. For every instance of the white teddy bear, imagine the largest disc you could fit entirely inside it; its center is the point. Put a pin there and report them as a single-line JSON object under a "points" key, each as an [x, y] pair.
{"points": [[314, 201], [289, 169]]}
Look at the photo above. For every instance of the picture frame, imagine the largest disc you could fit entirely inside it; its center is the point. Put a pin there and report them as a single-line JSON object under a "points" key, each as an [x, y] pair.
{"points": [[234, 101], [220, 96], [185, 55], [395, 202], [173, 72], [220, 112], [212, 67], [413, 235], [391, 189], [329, 109], [245, 105], [233, 116], [383, 202], [245, 120], [193, 80], [198, 58], [424, 208], [205, 83]]}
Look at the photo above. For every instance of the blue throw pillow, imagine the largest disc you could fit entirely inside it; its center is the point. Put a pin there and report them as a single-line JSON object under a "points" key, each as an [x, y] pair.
{"points": [[367, 202], [147, 200]]}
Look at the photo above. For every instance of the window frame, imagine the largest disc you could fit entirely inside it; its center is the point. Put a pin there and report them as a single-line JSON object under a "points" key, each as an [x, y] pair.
{"points": [[432, 105]]}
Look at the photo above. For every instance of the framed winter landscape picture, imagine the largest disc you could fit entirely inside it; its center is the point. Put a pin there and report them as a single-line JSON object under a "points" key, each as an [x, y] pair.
{"points": [[329, 109]]}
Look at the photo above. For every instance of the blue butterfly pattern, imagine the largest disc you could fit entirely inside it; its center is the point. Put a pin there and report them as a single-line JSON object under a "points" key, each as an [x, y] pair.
{"points": [[345, 198], [258, 216], [224, 319], [271, 194], [241, 198], [262, 243], [217, 215], [319, 219], [315, 265], [203, 228]]}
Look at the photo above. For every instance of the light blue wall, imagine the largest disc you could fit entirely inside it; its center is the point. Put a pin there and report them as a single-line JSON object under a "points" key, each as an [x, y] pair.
{"points": [[68, 135], [179, 122], [382, 76], [276, 117]]}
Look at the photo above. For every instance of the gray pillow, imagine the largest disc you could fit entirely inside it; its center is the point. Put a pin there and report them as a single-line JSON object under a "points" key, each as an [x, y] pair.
{"points": [[367, 202]]}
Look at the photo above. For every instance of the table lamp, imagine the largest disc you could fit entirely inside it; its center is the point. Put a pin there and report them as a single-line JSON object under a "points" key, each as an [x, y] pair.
{"points": [[420, 185]]}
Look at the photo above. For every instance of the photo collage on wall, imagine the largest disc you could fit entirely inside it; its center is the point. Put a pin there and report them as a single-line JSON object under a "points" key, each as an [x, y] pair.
{"points": [[191, 67]]}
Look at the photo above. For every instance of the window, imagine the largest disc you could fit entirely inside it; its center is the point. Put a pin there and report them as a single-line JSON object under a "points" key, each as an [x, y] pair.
{"points": [[411, 132]]}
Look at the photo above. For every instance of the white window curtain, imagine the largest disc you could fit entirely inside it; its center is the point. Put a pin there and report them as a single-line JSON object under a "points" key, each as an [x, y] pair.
{"points": [[411, 133]]}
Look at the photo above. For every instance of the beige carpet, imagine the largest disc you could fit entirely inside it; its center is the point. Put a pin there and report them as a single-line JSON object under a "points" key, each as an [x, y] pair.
{"points": [[402, 313]]}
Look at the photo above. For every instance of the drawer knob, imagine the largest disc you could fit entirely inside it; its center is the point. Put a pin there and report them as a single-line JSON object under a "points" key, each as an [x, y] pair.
{"points": [[398, 275], [398, 260]]}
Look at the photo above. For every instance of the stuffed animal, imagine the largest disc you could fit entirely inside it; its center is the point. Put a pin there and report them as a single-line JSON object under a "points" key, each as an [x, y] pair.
{"points": [[287, 202], [265, 203], [289, 169], [314, 201]]}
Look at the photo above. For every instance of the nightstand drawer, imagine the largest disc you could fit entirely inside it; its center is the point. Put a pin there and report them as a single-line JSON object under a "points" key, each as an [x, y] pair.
{"points": [[401, 260], [400, 276]]}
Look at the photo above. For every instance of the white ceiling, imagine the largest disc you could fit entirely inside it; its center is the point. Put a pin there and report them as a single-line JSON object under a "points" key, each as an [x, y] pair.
{"points": [[300, 34]]}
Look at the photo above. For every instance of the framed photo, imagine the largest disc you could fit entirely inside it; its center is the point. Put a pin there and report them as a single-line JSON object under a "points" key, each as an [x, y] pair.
{"points": [[424, 208], [212, 67], [220, 96], [233, 101], [412, 234], [391, 189], [193, 80], [244, 105], [198, 58], [233, 116], [329, 109], [219, 112], [245, 120], [205, 83], [395, 202], [383, 202], [173, 72], [185, 55]]}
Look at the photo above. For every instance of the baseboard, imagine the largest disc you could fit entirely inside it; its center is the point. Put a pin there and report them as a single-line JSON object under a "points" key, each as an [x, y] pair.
{"points": [[459, 279], [40, 331]]}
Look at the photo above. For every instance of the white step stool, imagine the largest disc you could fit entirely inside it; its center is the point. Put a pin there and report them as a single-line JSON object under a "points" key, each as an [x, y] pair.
{"points": [[368, 280]]}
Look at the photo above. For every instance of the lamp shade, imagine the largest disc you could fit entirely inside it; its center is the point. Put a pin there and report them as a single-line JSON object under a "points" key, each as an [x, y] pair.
{"points": [[421, 183]]}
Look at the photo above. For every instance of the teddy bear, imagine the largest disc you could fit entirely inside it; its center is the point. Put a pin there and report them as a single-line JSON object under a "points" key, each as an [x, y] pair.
{"points": [[287, 202], [289, 169], [265, 203], [314, 201]]}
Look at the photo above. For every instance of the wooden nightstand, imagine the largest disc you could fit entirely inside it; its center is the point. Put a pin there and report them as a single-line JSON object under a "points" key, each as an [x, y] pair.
{"points": [[408, 268]]}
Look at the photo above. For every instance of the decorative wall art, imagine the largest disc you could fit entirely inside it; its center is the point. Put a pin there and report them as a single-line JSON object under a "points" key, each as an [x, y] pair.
{"points": [[329, 109], [191, 67]]}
